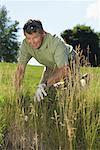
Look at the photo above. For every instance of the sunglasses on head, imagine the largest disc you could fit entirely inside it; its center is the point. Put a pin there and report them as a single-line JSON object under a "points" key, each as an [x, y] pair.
{"points": [[30, 29], [31, 26]]}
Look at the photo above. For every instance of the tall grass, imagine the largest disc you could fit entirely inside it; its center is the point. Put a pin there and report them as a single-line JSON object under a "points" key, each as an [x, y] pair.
{"points": [[67, 119]]}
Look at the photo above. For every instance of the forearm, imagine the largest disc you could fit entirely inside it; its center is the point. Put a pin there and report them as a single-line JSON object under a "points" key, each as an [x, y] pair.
{"points": [[46, 75], [19, 75], [59, 73]]}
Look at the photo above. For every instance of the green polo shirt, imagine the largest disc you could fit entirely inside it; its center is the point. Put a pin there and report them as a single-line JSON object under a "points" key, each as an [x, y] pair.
{"points": [[52, 53]]}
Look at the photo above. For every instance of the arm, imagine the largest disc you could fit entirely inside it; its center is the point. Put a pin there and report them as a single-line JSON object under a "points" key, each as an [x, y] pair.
{"points": [[40, 92], [19, 75], [47, 72], [59, 73], [61, 58], [23, 58]]}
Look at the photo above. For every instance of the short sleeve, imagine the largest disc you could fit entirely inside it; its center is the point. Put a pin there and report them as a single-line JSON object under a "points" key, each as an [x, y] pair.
{"points": [[23, 55], [61, 54]]}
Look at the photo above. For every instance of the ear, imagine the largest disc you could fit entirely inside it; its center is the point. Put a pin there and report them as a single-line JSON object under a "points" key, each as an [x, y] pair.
{"points": [[44, 33]]}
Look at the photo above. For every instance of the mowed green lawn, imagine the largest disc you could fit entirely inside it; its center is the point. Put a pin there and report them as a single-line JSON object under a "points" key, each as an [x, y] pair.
{"points": [[33, 75], [7, 71]]}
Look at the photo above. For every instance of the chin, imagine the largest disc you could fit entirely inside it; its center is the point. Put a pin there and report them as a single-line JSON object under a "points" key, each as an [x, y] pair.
{"points": [[36, 47]]}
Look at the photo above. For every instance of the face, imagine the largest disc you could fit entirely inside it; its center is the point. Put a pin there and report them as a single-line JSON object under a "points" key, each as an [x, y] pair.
{"points": [[35, 39]]}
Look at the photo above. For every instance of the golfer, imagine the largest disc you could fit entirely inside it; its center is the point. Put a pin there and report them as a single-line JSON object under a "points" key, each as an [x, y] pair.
{"points": [[48, 50]]}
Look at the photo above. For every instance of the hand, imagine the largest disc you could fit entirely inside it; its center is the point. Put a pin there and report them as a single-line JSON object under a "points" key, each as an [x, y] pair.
{"points": [[58, 74], [83, 83], [58, 84], [16, 84], [85, 79], [40, 93]]}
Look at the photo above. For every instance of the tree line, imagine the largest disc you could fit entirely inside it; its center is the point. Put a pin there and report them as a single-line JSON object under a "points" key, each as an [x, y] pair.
{"points": [[82, 35], [87, 39]]}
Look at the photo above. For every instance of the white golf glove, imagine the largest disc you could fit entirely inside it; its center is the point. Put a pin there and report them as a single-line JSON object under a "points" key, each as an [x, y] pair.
{"points": [[40, 92]]}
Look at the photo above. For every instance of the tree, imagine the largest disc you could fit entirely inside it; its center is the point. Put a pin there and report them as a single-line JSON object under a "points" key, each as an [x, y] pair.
{"points": [[8, 37], [87, 39], [98, 55]]}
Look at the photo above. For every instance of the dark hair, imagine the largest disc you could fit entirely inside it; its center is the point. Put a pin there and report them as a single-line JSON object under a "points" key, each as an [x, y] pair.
{"points": [[33, 26]]}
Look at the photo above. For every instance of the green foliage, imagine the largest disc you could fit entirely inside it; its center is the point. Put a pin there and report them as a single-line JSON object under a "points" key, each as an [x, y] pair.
{"points": [[8, 37], [87, 39]]}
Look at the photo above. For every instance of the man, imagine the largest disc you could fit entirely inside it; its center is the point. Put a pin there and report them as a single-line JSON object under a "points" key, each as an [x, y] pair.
{"points": [[48, 50]]}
